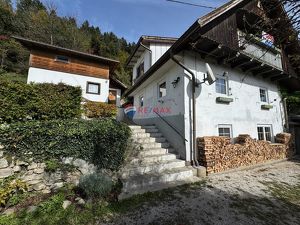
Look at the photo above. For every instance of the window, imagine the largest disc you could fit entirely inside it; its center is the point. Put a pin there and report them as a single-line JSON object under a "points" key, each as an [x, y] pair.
{"points": [[221, 86], [263, 95], [264, 132], [61, 58], [140, 70], [93, 88], [225, 131], [162, 89], [141, 99]]}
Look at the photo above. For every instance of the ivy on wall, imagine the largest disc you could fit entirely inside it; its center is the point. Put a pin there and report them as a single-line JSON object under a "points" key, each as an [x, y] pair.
{"points": [[101, 142]]}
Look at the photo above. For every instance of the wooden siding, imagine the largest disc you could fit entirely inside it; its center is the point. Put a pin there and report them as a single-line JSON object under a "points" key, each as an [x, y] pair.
{"points": [[75, 66], [225, 32]]}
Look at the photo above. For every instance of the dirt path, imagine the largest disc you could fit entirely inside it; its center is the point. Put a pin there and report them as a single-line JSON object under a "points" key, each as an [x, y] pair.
{"points": [[264, 195]]}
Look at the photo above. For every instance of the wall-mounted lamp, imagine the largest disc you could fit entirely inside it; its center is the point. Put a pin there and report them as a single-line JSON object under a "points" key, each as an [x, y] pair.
{"points": [[175, 82]]}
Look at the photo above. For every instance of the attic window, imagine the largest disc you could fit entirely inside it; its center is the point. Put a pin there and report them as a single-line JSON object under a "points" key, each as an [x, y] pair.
{"points": [[61, 58], [140, 70]]}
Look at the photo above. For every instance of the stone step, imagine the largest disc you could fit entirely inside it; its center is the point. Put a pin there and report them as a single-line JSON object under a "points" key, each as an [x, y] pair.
{"points": [[140, 135], [135, 127], [138, 131], [150, 140], [153, 158], [155, 145], [143, 181], [152, 167], [155, 134], [157, 187], [149, 127], [155, 151], [151, 130]]}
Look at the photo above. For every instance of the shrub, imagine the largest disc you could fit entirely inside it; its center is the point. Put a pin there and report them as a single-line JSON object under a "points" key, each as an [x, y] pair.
{"points": [[99, 109], [21, 102], [11, 188], [101, 142], [95, 185]]}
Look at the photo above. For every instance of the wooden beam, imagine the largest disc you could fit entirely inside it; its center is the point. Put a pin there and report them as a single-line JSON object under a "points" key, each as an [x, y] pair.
{"points": [[237, 55], [211, 51], [279, 77], [265, 72], [239, 64], [249, 69]]}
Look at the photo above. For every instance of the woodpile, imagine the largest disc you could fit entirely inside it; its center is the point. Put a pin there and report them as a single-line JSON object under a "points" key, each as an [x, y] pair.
{"points": [[219, 154]]}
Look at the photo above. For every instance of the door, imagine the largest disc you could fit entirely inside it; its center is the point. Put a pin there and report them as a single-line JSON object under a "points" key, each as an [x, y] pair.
{"points": [[297, 139], [112, 97]]}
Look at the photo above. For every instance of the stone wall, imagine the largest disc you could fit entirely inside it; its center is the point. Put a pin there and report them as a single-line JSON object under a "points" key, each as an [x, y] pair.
{"points": [[37, 178], [219, 154]]}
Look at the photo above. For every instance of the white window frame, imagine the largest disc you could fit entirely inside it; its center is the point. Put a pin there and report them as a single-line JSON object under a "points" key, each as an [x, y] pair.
{"points": [[264, 132], [158, 89], [93, 83], [226, 126], [267, 95], [226, 85], [138, 69]]}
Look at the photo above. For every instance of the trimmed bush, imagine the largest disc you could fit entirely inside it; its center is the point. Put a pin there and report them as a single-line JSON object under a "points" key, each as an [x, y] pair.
{"points": [[99, 110], [96, 185], [21, 102], [101, 142]]}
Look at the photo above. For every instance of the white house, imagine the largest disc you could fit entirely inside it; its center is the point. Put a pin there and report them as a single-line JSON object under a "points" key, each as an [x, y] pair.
{"points": [[171, 90], [53, 64]]}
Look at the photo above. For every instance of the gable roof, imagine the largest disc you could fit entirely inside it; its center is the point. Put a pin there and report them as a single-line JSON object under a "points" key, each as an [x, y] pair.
{"points": [[146, 40], [31, 44], [195, 32]]}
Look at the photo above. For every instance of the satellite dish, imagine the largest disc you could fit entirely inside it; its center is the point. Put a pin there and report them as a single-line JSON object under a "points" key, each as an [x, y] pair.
{"points": [[210, 75]]}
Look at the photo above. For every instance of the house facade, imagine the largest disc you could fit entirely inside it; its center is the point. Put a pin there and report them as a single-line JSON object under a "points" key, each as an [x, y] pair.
{"points": [[53, 64], [176, 94]]}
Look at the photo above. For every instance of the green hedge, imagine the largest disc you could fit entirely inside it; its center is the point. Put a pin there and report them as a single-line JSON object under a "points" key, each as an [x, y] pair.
{"points": [[101, 142], [21, 102]]}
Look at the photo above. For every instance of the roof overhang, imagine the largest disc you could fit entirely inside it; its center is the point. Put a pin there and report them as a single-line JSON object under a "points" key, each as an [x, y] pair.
{"points": [[192, 38], [145, 41], [36, 45]]}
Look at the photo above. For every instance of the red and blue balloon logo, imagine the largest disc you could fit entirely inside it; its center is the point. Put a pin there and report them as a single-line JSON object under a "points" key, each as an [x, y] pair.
{"points": [[130, 111]]}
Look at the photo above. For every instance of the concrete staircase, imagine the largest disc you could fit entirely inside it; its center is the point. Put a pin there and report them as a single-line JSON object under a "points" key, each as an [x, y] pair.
{"points": [[155, 167]]}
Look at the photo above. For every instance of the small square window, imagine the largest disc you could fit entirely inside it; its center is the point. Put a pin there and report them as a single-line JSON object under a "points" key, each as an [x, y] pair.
{"points": [[263, 95], [61, 58], [93, 88], [162, 90], [221, 86], [225, 131]]}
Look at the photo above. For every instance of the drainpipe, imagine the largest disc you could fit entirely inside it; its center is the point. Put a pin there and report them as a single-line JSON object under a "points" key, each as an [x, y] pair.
{"points": [[150, 51], [286, 117], [194, 147]]}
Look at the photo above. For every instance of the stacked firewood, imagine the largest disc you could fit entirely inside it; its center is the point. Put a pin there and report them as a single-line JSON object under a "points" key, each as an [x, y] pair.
{"points": [[219, 154]]}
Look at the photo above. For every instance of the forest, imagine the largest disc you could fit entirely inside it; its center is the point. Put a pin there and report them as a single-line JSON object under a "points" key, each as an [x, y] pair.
{"points": [[37, 21]]}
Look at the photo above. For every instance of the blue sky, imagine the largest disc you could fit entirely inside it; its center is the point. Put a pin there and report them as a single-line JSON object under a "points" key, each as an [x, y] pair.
{"points": [[132, 18]]}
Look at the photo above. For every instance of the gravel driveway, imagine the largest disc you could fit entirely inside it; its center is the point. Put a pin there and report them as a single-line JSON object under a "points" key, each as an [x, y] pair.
{"points": [[268, 194]]}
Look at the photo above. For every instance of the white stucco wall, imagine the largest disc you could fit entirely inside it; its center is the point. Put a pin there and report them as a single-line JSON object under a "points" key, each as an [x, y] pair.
{"points": [[244, 114], [37, 75], [174, 98]]}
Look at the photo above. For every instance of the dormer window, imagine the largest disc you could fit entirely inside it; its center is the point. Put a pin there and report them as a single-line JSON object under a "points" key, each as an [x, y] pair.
{"points": [[140, 70], [61, 58]]}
